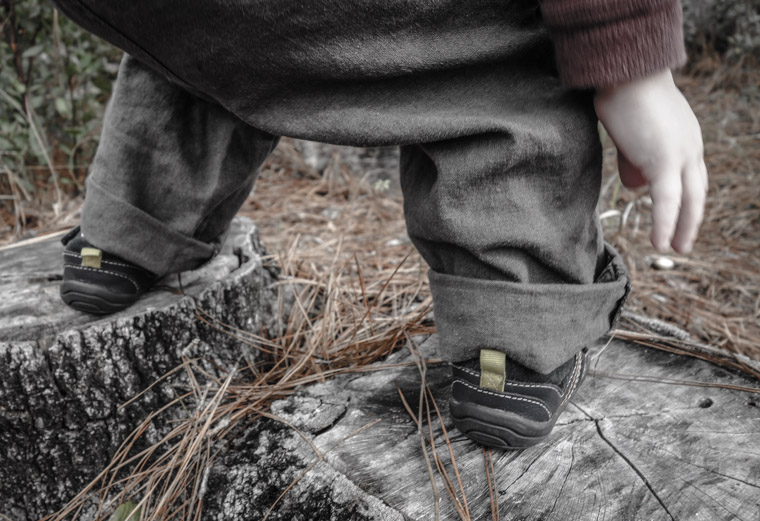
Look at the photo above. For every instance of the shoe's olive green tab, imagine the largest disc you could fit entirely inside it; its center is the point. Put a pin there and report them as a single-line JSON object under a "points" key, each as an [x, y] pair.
{"points": [[493, 368], [91, 257]]}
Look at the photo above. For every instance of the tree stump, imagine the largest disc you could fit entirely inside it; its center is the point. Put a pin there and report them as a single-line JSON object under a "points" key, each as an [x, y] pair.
{"points": [[628, 448], [64, 374]]}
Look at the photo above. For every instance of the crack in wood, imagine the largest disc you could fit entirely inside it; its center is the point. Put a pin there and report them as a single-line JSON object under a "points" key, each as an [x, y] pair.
{"points": [[589, 417], [327, 462], [732, 478], [634, 468], [711, 471], [62, 392], [734, 515], [518, 478], [603, 508], [573, 422], [335, 421], [567, 475], [597, 421]]}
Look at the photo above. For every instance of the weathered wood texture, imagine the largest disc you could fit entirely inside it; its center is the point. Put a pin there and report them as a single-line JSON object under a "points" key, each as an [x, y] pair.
{"points": [[64, 374], [625, 450]]}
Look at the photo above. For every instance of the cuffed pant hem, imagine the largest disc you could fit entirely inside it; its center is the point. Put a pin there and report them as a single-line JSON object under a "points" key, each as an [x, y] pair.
{"points": [[120, 228], [537, 325]]}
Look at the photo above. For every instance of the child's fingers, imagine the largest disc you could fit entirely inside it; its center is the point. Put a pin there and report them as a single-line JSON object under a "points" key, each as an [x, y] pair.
{"points": [[666, 199], [692, 209]]}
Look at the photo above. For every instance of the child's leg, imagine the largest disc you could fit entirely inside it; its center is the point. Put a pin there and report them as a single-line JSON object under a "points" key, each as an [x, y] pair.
{"points": [[507, 222], [169, 174], [500, 196], [500, 201]]}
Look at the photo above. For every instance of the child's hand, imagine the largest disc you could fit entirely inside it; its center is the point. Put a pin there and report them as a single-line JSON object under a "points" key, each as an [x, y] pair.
{"points": [[659, 143]]}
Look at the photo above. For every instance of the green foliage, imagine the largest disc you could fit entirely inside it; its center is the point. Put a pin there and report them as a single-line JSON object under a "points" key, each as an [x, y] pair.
{"points": [[123, 513], [746, 38], [55, 78], [730, 27]]}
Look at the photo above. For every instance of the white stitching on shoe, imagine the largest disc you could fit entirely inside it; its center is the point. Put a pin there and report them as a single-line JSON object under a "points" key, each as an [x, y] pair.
{"points": [[499, 395], [571, 386], [516, 384], [85, 268], [132, 266]]}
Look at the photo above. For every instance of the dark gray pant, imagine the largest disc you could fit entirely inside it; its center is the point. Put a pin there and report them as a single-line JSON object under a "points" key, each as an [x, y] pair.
{"points": [[500, 164]]}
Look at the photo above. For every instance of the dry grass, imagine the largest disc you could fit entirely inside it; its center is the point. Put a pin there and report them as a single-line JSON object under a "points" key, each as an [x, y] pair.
{"points": [[353, 330], [424, 416], [320, 214], [348, 313]]}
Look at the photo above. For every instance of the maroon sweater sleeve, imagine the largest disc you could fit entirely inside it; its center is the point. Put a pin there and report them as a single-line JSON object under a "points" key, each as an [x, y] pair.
{"points": [[599, 43]]}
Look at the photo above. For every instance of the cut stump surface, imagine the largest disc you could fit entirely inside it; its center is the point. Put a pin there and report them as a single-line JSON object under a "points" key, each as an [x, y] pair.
{"points": [[628, 448]]}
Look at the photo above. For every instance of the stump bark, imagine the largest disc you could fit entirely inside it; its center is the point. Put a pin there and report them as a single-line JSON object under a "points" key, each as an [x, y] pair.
{"points": [[64, 374]]}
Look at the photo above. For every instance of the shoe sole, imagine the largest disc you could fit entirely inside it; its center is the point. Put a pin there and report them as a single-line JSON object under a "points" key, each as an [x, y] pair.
{"points": [[499, 429], [94, 299]]}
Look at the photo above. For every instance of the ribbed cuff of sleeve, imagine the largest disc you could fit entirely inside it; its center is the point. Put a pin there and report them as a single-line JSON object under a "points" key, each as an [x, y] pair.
{"points": [[632, 40]]}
